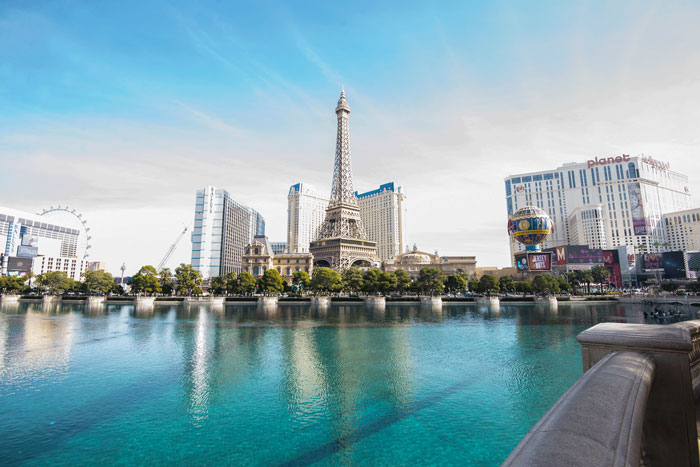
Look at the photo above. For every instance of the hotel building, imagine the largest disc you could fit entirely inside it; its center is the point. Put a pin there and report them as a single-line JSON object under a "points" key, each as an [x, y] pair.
{"points": [[607, 202], [306, 210], [222, 229], [383, 212], [25, 234], [682, 230]]}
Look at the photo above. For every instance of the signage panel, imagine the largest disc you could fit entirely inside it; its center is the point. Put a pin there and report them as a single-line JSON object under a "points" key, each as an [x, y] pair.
{"points": [[521, 262], [581, 254], [639, 222], [27, 251], [674, 265], [539, 261], [652, 262]]}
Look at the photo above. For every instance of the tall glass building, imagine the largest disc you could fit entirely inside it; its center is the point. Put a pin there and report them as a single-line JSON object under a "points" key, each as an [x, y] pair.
{"points": [[222, 229], [626, 197]]}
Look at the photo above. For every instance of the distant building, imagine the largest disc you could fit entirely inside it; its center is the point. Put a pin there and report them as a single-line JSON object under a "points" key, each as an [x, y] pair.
{"points": [[222, 229], [587, 226], [494, 271], [635, 193], [413, 261], [73, 267], [383, 213], [97, 266], [259, 257], [306, 210], [682, 230], [27, 235], [278, 247]]}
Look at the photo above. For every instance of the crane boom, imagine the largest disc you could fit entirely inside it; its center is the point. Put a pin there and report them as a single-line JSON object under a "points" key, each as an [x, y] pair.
{"points": [[171, 250]]}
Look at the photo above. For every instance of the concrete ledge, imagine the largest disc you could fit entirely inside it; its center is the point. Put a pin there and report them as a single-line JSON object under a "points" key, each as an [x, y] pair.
{"points": [[201, 300], [431, 301], [379, 302], [144, 302], [46, 299], [637, 337], [320, 301], [546, 301], [488, 301], [93, 301], [597, 422], [9, 298], [267, 301]]}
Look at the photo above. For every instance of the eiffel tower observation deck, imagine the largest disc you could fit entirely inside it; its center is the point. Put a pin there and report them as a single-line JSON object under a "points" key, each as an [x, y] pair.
{"points": [[342, 242]]}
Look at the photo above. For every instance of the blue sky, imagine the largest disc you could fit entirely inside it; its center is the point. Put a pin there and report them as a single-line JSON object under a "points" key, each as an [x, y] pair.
{"points": [[123, 109]]}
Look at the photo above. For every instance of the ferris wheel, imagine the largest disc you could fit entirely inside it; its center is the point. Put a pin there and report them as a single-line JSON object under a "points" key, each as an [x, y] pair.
{"points": [[84, 239]]}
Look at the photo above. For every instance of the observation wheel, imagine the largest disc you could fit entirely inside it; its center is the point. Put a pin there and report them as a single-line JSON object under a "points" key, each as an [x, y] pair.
{"points": [[66, 216]]}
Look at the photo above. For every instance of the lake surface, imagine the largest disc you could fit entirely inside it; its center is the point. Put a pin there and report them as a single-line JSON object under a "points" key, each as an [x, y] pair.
{"points": [[290, 386]]}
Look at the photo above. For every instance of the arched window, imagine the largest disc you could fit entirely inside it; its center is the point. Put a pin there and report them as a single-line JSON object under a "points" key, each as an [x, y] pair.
{"points": [[257, 251], [256, 271], [289, 271]]}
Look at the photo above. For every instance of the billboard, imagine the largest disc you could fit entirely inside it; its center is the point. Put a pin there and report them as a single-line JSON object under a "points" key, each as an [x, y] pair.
{"points": [[674, 265], [611, 260], [581, 254], [639, 222], [652, 262], [27, 251], [539, 261], [560, 255], [18, 266], [521, 262]]}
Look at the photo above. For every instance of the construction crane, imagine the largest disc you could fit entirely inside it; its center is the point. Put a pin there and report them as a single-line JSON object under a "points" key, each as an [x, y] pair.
{"points": [[171, 250]]}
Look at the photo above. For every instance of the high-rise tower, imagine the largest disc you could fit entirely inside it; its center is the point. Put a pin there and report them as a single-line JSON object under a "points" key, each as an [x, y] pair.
{"points": [[342, 242]]}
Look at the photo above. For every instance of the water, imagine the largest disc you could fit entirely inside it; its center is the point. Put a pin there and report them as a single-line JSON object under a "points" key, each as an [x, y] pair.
{"points": [[293, 386]]}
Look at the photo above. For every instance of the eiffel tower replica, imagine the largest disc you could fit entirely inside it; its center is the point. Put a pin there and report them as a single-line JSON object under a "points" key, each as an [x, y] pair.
{"points": [[342, 242]]}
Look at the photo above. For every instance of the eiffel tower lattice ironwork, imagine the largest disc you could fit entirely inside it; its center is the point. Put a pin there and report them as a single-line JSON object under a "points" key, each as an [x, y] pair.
{"points": [[342, 240]]}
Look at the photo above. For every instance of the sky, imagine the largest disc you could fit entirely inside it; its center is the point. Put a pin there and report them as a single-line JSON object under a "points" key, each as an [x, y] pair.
{"points": [[124, 109]]}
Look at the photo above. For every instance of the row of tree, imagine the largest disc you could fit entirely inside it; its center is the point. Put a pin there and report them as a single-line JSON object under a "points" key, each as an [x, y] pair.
{"points": [[93, 282]]}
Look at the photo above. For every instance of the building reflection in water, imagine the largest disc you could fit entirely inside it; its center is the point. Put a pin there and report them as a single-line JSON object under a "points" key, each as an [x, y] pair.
{"points": [[37, 340]]}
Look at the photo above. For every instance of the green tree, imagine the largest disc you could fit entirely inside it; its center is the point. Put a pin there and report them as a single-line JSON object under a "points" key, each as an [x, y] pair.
{"points": [[545, 284], [600, 275], [301, 279], [13, 284], [488, 284], [506, 284], [217, 285], [146, 281], [473, 285], [387, 282], [403, 281], [524, 287], [325, 280], [231, 285], [97, 282], [431, 281], [694, 286], [585, 277], [564, 285], [189, 280], [370, 281], [573, 279], [246, 283], [165, 277], [55, 281], [455, 283], [271, 282], [352, 280]]}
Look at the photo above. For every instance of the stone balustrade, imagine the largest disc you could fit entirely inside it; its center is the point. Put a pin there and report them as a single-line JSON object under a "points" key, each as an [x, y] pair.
{"points": [[597, 422], [636, 375]]}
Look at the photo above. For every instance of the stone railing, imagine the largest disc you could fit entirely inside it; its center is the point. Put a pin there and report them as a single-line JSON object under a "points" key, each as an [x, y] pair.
{"points": [[598, 421], [636, 400]]}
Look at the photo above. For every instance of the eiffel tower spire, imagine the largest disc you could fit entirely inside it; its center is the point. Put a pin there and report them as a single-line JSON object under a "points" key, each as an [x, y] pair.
{"points": [[343, 222], [342, 191]]}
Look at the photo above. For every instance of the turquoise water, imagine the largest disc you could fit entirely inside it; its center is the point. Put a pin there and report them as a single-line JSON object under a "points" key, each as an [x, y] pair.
{"points": [[293, 386]]}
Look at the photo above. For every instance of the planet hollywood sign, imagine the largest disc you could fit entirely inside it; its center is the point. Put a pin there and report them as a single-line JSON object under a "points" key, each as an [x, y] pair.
{"points": [[626, 158], [608, 160]]}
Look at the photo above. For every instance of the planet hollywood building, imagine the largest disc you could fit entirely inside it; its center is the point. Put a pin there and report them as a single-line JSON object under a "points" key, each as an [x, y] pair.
{"points": [[604, 202]]}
